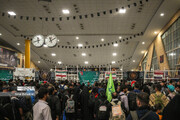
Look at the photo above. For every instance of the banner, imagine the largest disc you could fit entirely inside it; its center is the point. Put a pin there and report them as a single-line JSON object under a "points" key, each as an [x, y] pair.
{"points": [[88, 76], [6, 75], [158, 74], [8, 58], [24, 72], [108, 73], [61, 74]]}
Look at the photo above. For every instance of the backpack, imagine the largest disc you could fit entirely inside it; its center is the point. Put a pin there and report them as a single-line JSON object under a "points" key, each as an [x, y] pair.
{"points": [[158, 100], [91, 100], [132, 101], [117, 112], [70, 105], [7, 110], [102, 110], [62, 87], [135, 116]]}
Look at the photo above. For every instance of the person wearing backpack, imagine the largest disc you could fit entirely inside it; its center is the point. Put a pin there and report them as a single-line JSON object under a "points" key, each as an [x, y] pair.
{"points": [[69, 104], [158, 98], [6, 107], [116, 111], [142, 113], [123, 98], [54, 103], [102, 110]]}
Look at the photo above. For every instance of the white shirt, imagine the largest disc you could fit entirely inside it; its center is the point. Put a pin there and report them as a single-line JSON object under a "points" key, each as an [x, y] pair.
{"points": [[41, 111]]}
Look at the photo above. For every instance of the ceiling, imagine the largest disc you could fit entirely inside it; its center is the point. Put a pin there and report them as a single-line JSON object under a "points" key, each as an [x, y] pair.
{"points": [[144, 17]]}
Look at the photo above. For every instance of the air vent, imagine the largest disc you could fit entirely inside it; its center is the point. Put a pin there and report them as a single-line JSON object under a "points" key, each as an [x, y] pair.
{"points": [[123, 55], [68, 43], [58, 26], [81, 26], [127, 43], [90, 55], [74, 55], [76, 8], [86, 43], [45, 55], [133, 25], [14, 27], [47, 9]]}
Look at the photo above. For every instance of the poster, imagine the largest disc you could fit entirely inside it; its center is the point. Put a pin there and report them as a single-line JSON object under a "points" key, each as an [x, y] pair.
{"points": [[6, 75], [88, 76], [158, 74], [8, 58]]}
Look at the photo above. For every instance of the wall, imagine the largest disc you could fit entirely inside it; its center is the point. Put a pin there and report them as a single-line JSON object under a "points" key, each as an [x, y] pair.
{"points": [[159, 47]]}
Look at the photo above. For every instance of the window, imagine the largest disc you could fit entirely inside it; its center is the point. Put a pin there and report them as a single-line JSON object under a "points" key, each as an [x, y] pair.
{"points": [[171, 40], [154, 64]]}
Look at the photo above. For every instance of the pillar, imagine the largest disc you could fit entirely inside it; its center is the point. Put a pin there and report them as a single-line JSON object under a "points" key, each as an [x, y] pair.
{"points": [[27, 53]]}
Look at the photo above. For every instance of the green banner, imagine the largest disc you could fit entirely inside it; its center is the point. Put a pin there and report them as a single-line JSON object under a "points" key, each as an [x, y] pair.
{"points": [[6, 75], [88, 76]]}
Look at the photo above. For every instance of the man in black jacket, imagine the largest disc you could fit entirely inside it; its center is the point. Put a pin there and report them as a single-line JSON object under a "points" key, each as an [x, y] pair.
{"points": [[142, 113], [54, 104]]}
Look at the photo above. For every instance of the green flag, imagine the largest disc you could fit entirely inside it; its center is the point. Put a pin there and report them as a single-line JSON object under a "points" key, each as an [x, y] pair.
{"points": [[110, 88]]}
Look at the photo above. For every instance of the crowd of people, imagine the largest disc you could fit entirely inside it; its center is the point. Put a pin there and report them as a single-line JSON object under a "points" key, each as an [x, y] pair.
{"points": [[68, 100]]}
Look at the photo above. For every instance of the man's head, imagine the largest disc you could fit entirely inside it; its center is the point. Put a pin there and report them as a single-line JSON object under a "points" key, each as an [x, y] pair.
{"points": [[5, 88], [142, 99], [123, 88], [43, 93], [171, 88], [114, 95], [177, 87], [136, 86], [157, 87]]}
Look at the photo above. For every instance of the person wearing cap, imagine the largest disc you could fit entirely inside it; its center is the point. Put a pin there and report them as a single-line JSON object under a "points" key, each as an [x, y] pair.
{"points": [[171, 94]]}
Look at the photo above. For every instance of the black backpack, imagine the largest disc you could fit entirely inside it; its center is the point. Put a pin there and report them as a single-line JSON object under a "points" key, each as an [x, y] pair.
{"points": [[132, 101], [102, 110], [91, 100], [6, 109]]}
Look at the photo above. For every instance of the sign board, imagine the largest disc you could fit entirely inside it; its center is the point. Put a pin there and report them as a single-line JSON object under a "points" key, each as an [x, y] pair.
{"points": [[24, 72], [6, 75]]}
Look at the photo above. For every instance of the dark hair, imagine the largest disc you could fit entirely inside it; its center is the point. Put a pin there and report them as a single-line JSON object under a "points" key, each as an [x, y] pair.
{"points": [[143, 98], [42, 91], [122, 87], [114, 95], [146, 89], [158, 86], [51, 90], [137, 85]]}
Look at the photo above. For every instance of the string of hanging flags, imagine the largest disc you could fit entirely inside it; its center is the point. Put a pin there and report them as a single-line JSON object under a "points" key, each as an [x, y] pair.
{"points": [[85, 16]]}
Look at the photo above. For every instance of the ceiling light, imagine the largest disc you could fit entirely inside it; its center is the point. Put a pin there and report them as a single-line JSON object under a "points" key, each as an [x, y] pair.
{"points": [[59, 62], [86, 62], [120, 37], [115, 44], [143, 43], [114, 54], [83, 54], [142, 52], [65, 11], [11, 13], [80, 45], [102, 39], [113, 62], [155, 32], [39, 61], [58, 40], [53, 54], [0, 34], [122, 11], [77, 38], [134, 61], [162, 14], [45, 46], [132, 70], [121, 69], [18, 43]]}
